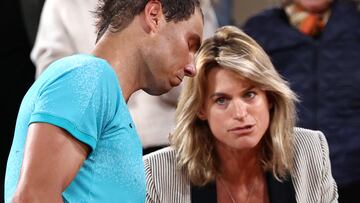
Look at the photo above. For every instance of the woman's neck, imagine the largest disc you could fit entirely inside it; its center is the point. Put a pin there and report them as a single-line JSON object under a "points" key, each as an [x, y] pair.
{"points": [[239, 166], [241, 177]]}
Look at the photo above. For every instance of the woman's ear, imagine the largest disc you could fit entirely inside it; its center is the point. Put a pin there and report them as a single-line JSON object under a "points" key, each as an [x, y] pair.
{"points": [[202, 115], [271, 105], [153, 14], [270, 100]]}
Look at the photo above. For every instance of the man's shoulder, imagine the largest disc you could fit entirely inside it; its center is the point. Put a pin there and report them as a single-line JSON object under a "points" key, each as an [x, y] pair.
{"points": [[80, 60], [79, 67]]}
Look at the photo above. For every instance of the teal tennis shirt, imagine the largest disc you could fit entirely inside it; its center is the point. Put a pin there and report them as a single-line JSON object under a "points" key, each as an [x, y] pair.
{"points": [[82, 95]]}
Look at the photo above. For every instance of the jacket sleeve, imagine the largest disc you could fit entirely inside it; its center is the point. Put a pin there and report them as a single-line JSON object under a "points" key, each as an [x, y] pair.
{"points": [[328, 184], [151, 195]]}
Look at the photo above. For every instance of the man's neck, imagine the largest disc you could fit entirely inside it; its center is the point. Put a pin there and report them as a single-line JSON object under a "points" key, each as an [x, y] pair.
{"points": [[121, 51]]}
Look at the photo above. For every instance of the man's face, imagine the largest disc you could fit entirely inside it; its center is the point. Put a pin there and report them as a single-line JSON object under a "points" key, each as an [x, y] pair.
{"points": [[314, 6], [172, 54]]}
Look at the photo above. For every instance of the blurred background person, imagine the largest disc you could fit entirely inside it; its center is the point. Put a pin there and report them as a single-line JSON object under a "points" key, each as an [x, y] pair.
{"points": [[235, 139], [64, 31], [314, 44], [66, 27]]}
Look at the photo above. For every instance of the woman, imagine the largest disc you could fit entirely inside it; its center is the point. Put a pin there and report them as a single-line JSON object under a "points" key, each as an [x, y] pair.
{"points": [[235, 139]]}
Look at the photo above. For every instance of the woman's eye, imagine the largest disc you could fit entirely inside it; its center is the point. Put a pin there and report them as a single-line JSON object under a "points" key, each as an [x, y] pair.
{"points": [[249, 95], [220, 100]]}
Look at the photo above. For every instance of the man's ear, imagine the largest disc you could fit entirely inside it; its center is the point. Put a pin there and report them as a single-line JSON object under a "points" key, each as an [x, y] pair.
{"points": [[153, 14]]}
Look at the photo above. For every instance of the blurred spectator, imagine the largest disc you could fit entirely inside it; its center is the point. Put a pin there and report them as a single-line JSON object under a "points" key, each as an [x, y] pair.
{"points": [[64, 31], [66, 27], [314, 45], [223, 10], [17, 71]]}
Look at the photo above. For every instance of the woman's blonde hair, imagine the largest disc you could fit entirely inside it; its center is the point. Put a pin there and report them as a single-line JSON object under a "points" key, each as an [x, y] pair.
{"points": [[232, 49]]}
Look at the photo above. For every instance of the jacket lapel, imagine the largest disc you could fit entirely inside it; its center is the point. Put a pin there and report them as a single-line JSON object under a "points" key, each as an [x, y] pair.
{"points": [[280, 192]]}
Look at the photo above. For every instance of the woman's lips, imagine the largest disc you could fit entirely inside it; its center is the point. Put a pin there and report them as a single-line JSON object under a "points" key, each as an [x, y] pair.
{"points": [[242, 130]]}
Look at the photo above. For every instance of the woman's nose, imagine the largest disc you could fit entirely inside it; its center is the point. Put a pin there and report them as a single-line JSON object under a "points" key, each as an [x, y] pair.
{"points": [[240, 111]]}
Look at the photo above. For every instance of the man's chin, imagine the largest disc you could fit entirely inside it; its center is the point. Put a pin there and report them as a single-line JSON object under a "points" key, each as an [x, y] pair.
{"points": [[158, 92], [175, 83]]}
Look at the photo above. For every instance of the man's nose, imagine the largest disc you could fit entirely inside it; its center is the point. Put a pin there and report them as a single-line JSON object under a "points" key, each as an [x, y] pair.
{"points": [[190, 70]]}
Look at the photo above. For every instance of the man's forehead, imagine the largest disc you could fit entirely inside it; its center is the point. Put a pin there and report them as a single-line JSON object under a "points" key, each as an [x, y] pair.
{"points": [[202, 14], [196, 24]]}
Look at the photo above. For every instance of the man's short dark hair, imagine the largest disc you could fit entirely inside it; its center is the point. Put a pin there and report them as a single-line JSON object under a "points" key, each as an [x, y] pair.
{"points": [[118, 14]]}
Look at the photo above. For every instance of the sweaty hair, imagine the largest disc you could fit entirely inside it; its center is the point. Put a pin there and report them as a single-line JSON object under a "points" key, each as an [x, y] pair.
{"points": [[116, 15]]}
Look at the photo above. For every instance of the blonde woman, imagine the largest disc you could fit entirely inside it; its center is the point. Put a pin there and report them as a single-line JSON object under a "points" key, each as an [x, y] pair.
{"points": [[235, 139]]}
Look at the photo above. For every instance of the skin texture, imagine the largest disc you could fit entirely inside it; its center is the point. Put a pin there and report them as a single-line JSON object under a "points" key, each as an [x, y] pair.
{"points": [[150, 54]]}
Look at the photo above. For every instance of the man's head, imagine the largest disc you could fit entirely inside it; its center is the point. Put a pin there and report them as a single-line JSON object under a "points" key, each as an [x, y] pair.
{"points": [[313, 6], [168, 52], [159, 37], [115, 15]]}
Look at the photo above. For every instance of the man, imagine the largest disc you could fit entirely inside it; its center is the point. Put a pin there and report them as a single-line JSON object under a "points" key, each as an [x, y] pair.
{"points": [[64, 31], [75, 140]]}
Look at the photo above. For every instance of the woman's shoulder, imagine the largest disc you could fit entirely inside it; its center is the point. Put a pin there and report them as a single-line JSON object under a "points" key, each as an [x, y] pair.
{"points": [[161, 158], [307, 137], [165, 181], [309, 145], [163, 153], [311, 173]]}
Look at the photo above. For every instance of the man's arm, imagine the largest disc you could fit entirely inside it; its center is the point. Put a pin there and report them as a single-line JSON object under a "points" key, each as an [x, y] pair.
{"points": [[52, 158]]}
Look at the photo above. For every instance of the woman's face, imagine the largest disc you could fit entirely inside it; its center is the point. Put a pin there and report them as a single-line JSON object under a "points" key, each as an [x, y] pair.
{"points": [[237, 111], [314, 6]]}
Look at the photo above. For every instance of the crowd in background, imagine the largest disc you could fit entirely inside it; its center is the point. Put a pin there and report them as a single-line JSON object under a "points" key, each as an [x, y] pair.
{"points": [[315, 50]]}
